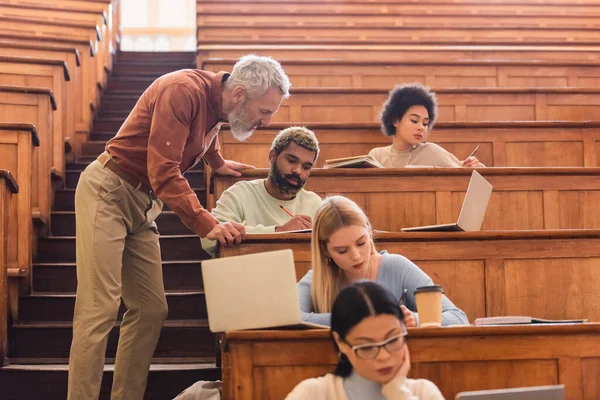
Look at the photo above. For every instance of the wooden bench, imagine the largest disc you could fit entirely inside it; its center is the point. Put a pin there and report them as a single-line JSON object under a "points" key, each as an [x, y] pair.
{"points": [[523, 198], [34, 106], [75, 90], [533, 7], [269, 364], [62, 15], [271, 33], [503, 144], [250, 8], [385, 52], [437, 73], [53, 74], [109, 8], [257, 14], [50, 29], [17, 145], [8, 187], [343, 105], [485, 274], [87, 52]]}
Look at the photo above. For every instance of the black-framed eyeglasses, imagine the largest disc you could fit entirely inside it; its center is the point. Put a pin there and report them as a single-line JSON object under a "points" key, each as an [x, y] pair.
{"points": [[369, 351]]}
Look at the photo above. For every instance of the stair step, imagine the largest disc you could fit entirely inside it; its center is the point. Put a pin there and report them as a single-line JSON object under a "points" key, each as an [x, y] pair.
{"points": [[63, 224], [62, 278], [119, 102], [64, 199], [158, 69], [194, 177], [173, 248], [114, 114], [102, 136], [54, 307], [186, 338], [108, 124], [49, 381]]}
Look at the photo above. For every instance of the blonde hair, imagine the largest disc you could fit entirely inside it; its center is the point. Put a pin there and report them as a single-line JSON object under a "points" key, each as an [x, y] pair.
{"points": [[300, 135], [334, 213]]}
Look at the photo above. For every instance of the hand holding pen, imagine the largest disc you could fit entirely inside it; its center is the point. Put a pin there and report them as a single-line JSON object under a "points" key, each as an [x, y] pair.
{"points": [[471, 161], [297, 223], [409, 318]]}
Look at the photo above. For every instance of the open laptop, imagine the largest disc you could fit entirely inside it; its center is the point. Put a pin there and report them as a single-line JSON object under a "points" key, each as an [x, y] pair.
{"points": [[555, 392], [472, 212], [252, 291]]}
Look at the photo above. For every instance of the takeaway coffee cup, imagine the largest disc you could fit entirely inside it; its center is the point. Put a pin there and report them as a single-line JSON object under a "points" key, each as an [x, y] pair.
{"points": [[429, 305]]}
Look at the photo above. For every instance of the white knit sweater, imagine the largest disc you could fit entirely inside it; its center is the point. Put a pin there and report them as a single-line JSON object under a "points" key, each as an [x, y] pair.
{"points": [[331, 387]]}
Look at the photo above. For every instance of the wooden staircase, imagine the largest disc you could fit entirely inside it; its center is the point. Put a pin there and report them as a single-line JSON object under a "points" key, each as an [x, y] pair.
{"points": [[39, 342]]}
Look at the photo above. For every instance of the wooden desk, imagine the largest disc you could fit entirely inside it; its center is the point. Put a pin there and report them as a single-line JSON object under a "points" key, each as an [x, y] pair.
{"points": [[17, 145], [267, 365], [343, 105], [503, 144], [51, 74], [386, 52], [230, 33], [523, 198], [436, 73], [34, 106], [549, 274], [398, 8], [8, 187], [273, 14]]}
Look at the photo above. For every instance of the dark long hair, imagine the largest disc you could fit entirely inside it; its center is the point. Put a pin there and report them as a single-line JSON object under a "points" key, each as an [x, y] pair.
{"points": [[354, 303]]}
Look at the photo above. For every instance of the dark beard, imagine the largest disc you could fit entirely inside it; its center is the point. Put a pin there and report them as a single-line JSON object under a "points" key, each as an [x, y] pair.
{"points": [[282, 184]]}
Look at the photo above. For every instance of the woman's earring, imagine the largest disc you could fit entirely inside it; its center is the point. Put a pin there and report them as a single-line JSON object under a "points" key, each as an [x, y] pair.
{"points": [[328, 259]]}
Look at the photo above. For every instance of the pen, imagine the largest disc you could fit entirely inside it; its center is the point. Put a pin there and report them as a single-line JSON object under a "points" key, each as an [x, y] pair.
{"points": [[288, 213], [403, 296], [474, 151]]}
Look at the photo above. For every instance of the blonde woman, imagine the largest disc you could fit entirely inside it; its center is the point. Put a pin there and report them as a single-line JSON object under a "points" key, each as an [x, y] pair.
{"points": [[343, 252]]}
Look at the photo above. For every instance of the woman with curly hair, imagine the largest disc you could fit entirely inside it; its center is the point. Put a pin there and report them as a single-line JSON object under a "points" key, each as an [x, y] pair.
{"points": [[408, 115]]}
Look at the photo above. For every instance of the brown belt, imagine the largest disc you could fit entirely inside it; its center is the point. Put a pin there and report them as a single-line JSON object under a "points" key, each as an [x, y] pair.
{"points": [[112, 165]]}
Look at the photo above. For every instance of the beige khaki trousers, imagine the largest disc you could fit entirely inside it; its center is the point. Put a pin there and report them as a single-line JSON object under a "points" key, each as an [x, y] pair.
{"points": [[118, 256]]}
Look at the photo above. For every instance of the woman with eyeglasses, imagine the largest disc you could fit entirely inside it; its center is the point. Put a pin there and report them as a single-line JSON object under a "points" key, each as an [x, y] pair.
{"points": [[367, 328], [343, 252]]}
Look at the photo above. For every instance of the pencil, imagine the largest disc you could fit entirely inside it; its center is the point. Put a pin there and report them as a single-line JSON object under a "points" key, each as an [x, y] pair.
{"points": [[474, 151], [403, 296], [288, 213]]}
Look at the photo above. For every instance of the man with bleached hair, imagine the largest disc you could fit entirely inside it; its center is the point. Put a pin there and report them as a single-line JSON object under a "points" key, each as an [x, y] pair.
{"points": [[262, 205], [174, 124]]}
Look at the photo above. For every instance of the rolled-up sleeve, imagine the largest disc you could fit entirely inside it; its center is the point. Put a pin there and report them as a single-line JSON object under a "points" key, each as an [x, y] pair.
{"points": [[169, 133]]}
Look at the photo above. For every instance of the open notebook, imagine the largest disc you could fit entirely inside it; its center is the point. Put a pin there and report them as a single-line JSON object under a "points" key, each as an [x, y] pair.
{"points": [[519, 320], [363, 161]]}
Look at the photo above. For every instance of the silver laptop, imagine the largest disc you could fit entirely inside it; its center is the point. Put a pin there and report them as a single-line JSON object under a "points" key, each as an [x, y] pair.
{"points": [[252, 291], [556, 392], [472, 212]]}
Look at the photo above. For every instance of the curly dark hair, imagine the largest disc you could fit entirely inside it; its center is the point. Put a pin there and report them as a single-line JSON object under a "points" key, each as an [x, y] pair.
{"points": [[403, 97]]}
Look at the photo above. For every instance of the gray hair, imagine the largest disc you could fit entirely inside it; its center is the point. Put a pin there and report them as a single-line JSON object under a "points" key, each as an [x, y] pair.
{"points": [[300, 135], [257, 74]]}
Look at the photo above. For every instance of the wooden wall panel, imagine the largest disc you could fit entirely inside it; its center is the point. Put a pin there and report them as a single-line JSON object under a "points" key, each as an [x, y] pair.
{"points": [[591, 383], [518, 144], [451, 378], [39, 76], [556, 288], [455, 276], [546, 274]]}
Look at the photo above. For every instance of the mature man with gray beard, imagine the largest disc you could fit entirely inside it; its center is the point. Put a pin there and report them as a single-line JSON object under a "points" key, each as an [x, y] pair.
{"points": [[262, 205], [174, 124]]}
